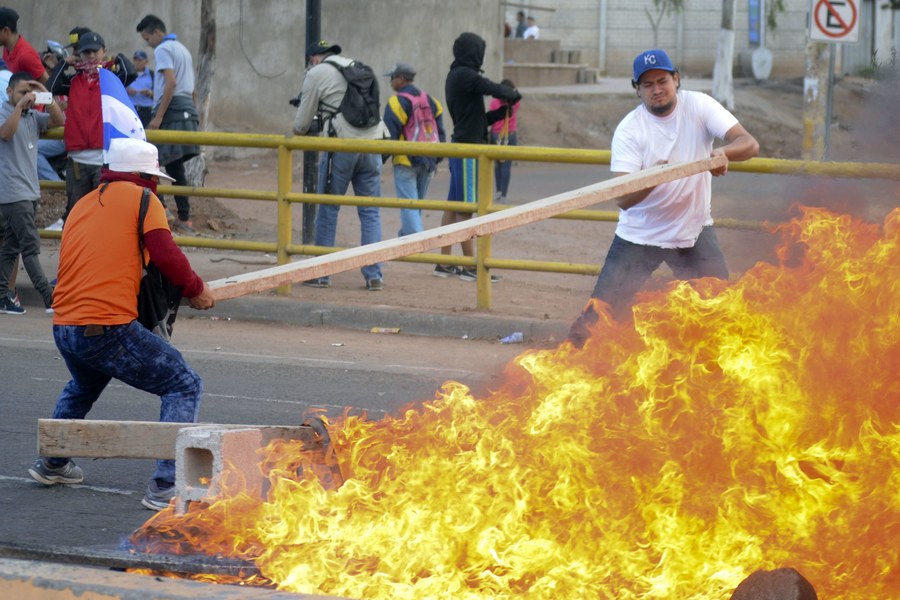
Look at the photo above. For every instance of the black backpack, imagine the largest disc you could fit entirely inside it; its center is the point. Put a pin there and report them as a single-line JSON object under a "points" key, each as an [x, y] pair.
{"points": [[360, 105], [158, 298]]}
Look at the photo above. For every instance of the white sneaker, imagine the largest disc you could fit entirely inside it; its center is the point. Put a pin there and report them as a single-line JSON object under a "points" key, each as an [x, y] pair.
{"points": [[57, 226]]}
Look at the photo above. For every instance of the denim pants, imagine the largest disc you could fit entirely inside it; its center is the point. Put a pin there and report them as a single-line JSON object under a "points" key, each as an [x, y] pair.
{"points": [[411, 182], [364, 172], [133, 355], [20, 236], [49, 149], [503, 168], [629, 265]]}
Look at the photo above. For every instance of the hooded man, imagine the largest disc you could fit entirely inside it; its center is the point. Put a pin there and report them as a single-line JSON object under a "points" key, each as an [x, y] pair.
{"points": [[465, 90]]}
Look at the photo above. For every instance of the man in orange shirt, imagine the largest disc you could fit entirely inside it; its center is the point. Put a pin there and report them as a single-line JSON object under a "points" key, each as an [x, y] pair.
{"points": [[95, 305]]}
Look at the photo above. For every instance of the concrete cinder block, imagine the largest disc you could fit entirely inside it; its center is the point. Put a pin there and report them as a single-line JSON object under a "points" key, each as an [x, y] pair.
{"points": [[203, 454]]}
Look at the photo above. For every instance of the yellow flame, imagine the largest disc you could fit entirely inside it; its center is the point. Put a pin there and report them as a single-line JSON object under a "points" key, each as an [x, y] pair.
{"points": [[733, 427]]}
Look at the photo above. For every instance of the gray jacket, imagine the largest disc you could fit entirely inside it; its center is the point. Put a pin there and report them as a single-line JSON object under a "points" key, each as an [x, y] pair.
{"points": [[323, 90]]}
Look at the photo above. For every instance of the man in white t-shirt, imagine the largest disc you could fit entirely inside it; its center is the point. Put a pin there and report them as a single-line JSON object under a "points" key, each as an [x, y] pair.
{"points": [[532, 32], [671, 222]]}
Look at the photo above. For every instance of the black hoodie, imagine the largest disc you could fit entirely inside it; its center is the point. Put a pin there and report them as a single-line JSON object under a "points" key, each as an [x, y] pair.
{"points": [[465, 90]]}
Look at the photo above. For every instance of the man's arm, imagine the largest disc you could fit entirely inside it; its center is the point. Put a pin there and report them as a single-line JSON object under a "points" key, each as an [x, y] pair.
{"points": [[57, 116], [309, 103], [175, 266], [740, 145], [59, 83], [11, 124], [168, 92], [628, 200]]}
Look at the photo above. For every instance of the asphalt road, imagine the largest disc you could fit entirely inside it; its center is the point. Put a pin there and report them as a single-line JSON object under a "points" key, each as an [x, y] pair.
{"points": [[253, 373]]}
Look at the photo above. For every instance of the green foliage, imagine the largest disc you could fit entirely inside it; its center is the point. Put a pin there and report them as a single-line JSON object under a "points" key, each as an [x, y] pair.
{"points": [[774, 7]]}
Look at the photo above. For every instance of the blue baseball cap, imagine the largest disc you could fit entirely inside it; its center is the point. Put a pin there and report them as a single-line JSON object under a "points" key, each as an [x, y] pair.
{"points": [[652, 59]]}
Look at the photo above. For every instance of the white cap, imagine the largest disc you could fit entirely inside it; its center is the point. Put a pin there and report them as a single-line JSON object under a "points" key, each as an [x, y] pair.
{"points": [[129, 155]]}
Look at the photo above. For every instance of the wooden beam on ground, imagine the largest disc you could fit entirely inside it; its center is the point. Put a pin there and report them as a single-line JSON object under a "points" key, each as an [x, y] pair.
{"points": [[136, 439], [354, 258]]}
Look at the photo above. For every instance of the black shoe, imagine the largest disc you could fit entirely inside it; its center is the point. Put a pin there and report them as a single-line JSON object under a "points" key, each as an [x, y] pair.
{"points": [[445, 271], [472, 275], [375, 285], [8, 306], [321, 282]]}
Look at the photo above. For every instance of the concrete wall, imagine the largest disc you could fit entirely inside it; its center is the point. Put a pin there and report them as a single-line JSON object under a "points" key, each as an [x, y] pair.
{"points": [[260, 43], [610, 33]]}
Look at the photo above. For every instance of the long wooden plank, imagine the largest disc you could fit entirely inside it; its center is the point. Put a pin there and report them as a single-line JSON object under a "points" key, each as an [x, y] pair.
{"points": [[354, 258], [135, 439]]}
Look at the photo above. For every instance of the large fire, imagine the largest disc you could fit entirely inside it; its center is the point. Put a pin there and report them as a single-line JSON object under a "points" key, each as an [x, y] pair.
{"points": [[733, 427]]}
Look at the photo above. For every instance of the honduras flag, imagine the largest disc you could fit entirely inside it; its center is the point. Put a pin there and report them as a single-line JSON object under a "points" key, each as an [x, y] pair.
{"points": [[120, 119]]}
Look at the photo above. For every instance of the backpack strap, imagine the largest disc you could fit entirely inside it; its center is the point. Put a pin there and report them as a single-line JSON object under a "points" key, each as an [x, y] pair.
{"points": [[331, 111], [142, 214]]}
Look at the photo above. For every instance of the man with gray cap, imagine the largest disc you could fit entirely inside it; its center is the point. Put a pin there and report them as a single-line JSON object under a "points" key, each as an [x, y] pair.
{"points": [[95, 323], [412, 115], [671, 222], [141, 90], [323, 90]]}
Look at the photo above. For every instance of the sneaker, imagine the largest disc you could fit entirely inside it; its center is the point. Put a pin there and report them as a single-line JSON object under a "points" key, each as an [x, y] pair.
{"points": [[157, 498], [9, 307], [41, 472], [183, 227], [375, 285], [14, 296], [57, 226], [445, 271], [321, 282], [49, 310], [472, 275]]}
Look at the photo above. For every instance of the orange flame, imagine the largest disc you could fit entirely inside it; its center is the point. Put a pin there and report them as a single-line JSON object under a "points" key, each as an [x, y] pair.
{"points": [[734, 427]]}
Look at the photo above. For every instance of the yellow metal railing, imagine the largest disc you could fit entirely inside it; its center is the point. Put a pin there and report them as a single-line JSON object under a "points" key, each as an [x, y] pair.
{"points": [[284, 197]]}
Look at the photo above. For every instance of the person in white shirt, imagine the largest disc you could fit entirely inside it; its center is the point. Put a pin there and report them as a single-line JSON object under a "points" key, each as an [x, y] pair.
{"points": [[531, 32], [671, 222]]}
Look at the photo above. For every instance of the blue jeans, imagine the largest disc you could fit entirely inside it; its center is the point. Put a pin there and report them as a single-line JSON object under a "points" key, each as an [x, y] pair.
{"points": [[364, 172], [133, 355], [629, 265], [49, 149], [411, 182], [503, 168]]}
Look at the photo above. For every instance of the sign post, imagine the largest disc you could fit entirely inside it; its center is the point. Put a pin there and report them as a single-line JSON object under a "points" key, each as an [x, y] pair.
{"points": [[833, 22]]}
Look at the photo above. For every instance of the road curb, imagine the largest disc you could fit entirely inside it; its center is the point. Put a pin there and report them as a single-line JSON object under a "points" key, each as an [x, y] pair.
{"points": [[409, 321]]}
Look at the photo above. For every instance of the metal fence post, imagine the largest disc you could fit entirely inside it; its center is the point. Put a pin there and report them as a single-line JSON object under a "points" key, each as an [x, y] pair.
{"points": [[483, 243], [285, 219]]}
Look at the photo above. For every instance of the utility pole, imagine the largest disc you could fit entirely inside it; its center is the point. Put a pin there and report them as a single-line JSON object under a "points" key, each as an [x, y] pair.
{"points": [[311, 159], [815, 100]]}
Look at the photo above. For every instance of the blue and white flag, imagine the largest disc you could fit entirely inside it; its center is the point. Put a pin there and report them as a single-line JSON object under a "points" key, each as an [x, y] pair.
{"points": [[120, 119]]}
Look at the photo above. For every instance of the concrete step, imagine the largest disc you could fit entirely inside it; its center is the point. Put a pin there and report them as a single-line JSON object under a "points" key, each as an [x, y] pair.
{"points": [[548, 74], [529, 51]]}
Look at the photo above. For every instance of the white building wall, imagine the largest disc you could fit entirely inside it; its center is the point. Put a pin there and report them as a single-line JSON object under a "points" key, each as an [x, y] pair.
{"points": [[577, 24]]}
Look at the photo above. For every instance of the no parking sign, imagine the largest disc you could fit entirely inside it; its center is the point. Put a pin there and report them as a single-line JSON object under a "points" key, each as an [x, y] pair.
{"points": [[834, 21]]}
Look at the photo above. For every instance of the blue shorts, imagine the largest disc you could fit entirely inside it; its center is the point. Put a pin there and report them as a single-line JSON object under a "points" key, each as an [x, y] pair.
{"points": [[463, 180]]}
